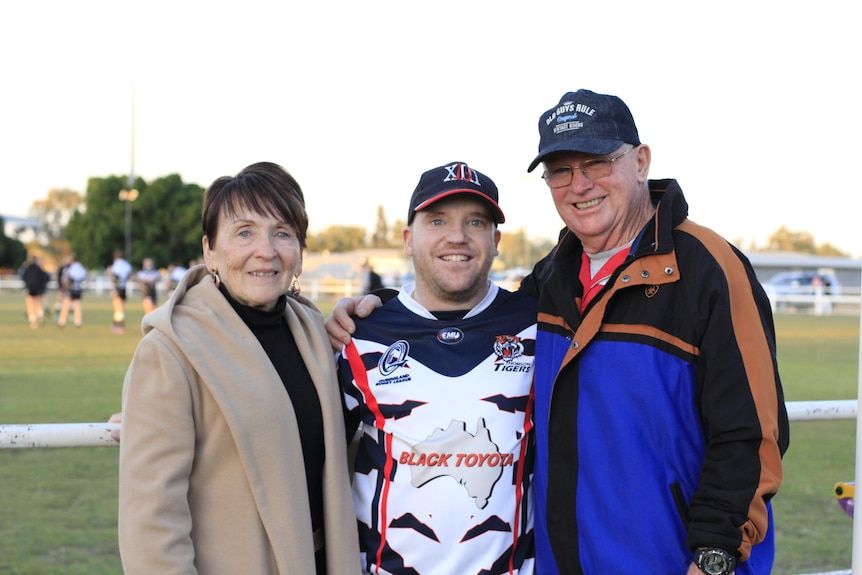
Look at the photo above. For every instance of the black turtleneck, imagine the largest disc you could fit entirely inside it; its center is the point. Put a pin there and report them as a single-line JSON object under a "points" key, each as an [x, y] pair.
{"points": [[271, 330]]}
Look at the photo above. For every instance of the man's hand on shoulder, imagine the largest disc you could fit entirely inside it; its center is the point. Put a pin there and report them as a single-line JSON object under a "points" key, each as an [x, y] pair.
{"points": [[340, 325]]}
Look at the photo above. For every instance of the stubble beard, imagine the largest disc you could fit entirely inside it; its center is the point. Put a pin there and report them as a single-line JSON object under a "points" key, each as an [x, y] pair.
{"points": [[457, 293]]}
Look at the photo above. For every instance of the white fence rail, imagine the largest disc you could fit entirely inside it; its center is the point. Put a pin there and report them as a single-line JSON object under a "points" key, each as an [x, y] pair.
{"points": [[28, 436], [811, 410], [33, 435], [820, 302]]}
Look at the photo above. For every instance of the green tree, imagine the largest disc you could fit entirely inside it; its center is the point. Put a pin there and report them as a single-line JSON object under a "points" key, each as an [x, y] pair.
{"points": [[168, 222], [396, 238], [12, 252], [519, 251], [785, 240], [337, 239], [829, 250], [165, 221], [381, 230], [99, 229]]}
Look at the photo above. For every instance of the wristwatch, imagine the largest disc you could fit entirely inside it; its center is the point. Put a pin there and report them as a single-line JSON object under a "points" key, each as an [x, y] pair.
{"points": [[715, 561]]}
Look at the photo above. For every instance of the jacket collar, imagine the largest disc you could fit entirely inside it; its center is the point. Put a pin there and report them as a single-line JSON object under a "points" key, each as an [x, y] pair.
{"points": [[657, 235]]}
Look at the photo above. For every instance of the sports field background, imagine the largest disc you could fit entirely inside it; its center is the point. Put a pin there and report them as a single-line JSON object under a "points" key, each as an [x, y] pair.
{"points": [[58, 506]]}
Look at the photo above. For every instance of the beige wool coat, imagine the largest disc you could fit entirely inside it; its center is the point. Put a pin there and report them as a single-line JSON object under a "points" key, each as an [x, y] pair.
{"points": [[212, 479]]}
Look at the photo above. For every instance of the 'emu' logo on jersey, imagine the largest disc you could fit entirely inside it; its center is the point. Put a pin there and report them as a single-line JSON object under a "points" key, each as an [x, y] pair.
{"points": [[508, 347], [394, 357], [450, 335]]}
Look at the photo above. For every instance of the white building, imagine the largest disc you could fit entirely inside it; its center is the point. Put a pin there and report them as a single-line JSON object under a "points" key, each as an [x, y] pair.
{"points": [[25, 230]]}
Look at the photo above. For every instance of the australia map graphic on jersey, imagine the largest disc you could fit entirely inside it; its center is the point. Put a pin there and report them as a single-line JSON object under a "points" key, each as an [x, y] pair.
{"points": [[474, 461]]}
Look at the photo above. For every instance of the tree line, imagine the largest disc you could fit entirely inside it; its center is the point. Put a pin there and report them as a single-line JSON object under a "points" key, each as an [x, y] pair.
{"points": [[164, 220]]}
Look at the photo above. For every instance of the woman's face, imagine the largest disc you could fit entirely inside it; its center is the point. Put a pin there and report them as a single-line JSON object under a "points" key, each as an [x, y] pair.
{"points": [[255, 255]]}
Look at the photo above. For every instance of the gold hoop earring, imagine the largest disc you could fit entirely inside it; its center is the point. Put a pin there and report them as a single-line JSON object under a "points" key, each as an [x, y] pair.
{"points": [[295, 287], [216, 279]]}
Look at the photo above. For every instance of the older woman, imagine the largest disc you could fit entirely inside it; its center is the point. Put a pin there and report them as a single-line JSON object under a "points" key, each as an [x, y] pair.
{"points": [[233, 454]]}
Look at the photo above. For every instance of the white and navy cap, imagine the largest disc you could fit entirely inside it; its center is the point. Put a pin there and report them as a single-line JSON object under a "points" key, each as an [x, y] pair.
{"points": [[454, 178]]}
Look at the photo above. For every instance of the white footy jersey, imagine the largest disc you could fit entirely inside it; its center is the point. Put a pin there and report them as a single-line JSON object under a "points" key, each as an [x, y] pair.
{"points": [[443, 472]]}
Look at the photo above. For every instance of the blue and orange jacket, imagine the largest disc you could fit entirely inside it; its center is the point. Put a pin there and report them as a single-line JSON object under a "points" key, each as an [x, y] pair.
{"points": [[660, 417]]}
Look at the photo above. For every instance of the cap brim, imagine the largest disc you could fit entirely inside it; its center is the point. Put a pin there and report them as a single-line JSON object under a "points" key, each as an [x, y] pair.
{"points": [[495, 209], [596, 146]]}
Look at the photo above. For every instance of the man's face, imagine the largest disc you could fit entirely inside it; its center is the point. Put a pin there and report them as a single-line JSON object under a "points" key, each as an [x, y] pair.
{"points": [[603, 212], [453, 243]]}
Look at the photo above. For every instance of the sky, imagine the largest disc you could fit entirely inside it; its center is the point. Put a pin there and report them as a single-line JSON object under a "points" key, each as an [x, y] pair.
{"points": [[753, 106]]}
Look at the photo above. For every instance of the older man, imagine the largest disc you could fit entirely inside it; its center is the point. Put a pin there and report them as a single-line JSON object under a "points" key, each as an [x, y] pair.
{"points": [[660, 419]]}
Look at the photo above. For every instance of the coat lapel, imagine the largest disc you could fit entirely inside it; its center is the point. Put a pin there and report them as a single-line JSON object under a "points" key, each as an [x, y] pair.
{"points": [[242, 380]]}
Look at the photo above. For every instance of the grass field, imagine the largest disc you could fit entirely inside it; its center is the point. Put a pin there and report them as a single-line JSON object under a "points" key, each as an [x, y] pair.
{"points": [[58, 506]]}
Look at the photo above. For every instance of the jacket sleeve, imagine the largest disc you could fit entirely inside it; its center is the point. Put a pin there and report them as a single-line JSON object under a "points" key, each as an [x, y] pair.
{"points": [[156, 455], [742, 406]]}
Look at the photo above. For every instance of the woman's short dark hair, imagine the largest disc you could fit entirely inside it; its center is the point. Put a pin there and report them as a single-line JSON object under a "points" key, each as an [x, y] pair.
{"points": [[264, 188]]}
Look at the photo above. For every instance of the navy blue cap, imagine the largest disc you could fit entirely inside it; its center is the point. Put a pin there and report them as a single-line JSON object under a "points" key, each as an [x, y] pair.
{"points": [[585, 122], [454, 178]]}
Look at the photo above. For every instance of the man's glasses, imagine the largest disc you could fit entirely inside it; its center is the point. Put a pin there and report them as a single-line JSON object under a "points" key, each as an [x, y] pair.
{"points": [[591, 169]]}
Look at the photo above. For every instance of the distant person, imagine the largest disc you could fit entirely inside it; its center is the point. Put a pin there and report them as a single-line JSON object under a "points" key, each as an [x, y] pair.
{"points": [[370, 279], [148, 278], [822, 290], [62, 289], [73, 280], [119, 271], [176, 272], [35, 285]]}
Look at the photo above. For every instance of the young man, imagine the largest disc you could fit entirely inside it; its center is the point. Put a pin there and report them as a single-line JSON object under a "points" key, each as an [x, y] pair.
{"points": [[439, 381]]}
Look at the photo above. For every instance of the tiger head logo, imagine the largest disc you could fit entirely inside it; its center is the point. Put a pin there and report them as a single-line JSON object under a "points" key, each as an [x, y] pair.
{"points": [[508, 347]]}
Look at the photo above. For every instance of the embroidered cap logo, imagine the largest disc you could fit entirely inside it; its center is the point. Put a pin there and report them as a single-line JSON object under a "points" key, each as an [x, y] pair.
{"points": [[461, 172]]}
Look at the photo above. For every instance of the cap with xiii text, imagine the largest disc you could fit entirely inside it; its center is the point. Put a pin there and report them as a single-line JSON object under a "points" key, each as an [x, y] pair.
{"points": [[585, 122], [454, 178]]}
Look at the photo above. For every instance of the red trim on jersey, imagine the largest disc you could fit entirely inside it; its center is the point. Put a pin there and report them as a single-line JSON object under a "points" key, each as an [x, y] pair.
{"points": [[519, 481], [354, 359]]}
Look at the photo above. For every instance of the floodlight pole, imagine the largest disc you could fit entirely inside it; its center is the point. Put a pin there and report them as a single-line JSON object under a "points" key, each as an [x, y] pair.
{"points": [[130, 194]]}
